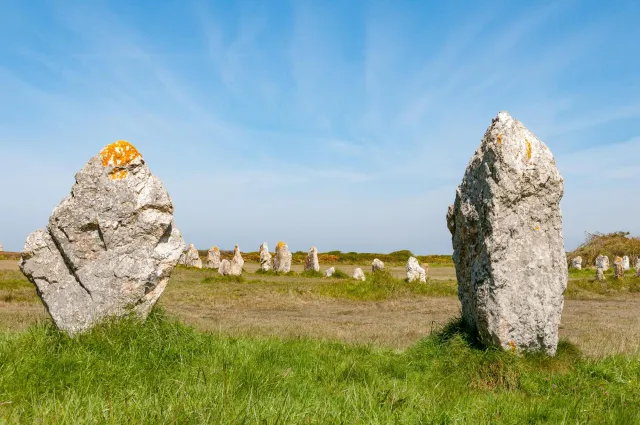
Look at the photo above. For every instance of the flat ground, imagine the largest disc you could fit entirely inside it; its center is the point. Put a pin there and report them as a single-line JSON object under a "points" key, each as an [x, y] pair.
{"points": [[599, 322]]}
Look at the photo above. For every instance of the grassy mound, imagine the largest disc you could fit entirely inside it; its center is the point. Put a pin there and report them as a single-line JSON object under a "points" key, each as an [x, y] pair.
{"points": [[165, 372], [611, 245]]}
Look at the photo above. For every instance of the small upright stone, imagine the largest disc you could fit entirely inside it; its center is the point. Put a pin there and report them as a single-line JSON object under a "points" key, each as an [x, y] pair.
{"points": [[618, 268], [265, 258], [626, 263], [183, 259], [213, 258], [237, 262], [109, 247], [1, 248], [358, 274], [329, 272], [576, 263], [506, 228], [599, 274], [377, 265], [192, 258], [282, 258], [638, 267], [225, 267], [312, 260], [415, 272], [602, 261]]}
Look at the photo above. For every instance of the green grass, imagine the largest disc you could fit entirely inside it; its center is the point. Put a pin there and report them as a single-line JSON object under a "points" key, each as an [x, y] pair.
{"points": [[165, 372], [583, 282], [339, 274]]}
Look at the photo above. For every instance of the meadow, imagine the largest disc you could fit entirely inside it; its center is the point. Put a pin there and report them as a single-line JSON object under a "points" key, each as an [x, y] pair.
{"points": [[299, 348]]}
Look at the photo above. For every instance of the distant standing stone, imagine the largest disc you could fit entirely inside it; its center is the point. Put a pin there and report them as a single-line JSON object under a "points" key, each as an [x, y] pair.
{"points": [[576, 263], [329, 272], [377, 265], [237, 262], [358, 274], [312, 260], [618, 268], [225, 267], [506, 229], [626, 263], [183, 259], [213, 258], [1, 248], [603, 262], [600, 274], [282, 258], [192, 258], [265, 258], [638, 267], [109, 247], [415, 272]]}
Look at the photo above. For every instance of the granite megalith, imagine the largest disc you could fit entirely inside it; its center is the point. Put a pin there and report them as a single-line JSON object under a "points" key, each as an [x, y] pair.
{"points": [[311, 262], [265, 258], [576, 263], [377, 265], [506, 228], [415, 272], [109, 247], [282, 258], [358, 274], [213, 258], [192, 257]]}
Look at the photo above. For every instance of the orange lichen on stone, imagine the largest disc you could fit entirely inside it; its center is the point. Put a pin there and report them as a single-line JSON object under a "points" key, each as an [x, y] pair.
{"points": [[216, 249], [500, 138], [528, 148], [118, 174], [119, 153], [512, 345], [280, 245]]}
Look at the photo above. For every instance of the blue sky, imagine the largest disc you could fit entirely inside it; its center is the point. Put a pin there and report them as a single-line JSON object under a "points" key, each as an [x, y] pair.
{"points": [[346, 125]]}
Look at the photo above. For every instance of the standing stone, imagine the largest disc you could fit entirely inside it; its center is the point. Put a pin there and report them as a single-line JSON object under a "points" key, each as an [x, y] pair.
{"points": [[618, 268], [358, 274], [506, 228], [282, 258], [225, 267], [626, 263], [329, 272], [600, 274], [109, 247], [638, 267], [377, 265], [603, 262], [415, 272], [1, 248], [237, 262], [312, 260], [576, 263], [265, 258], [192, 257], [213, 258], [183, 259]]}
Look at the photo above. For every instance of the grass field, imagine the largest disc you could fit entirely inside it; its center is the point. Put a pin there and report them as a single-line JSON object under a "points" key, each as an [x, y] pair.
{"points": [[268, 348]]}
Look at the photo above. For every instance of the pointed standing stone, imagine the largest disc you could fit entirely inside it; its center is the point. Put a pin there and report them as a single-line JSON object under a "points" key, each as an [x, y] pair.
{"points": [[506, 229], [312, 260], [237, 262], [192, 257], [213, 258], [265, 258]]}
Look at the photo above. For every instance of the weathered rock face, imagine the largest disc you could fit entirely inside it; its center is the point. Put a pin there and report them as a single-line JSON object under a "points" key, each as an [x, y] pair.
{"points": [[377, 265], [183, 259], [618, 268], [329, 272], [192, 258], [109, 247], [358, 274], [626, 263], [312, 260], [213, 258], [282, 258], [576, 263], [237, 262], [600, 274], [506, 228], [414, 271], [603, 262], [225, 267], [265, 257]]}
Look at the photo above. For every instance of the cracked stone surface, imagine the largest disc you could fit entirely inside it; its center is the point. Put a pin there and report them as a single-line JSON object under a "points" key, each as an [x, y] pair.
{"points": [[506, 228], [109, 247]]}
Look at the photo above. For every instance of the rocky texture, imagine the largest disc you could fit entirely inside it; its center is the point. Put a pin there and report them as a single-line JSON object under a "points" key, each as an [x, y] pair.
{"points": [[329, 272], [576, 263], [183, 259], [618, 268], [237, 262], [603, 262], [358, 274], [265, 258], [311, 262], [213, 258], [626, 263], [638, 267], [282, 258], [192, 258], [414, 271], [225, 267], [109, 247], [600, 274], [506, 228], [377, 265]]}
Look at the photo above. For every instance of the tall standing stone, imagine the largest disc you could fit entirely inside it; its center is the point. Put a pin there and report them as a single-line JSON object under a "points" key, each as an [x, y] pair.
{"points": [[576, 263], [415, 272], [618, 268], [626, 263], [237, 262], [602, 261], [377, 265], [192, 257], [213, 258], [311, 262], [109, 247], [282, 258], [506, 228], [265, 258]]}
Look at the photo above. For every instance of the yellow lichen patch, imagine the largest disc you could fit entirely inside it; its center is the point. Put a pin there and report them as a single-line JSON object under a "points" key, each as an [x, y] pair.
{"points": [[280, 245], [500, 138], [119, 153], [118, 174], [216, 249], [528, 148], [537, 228], [512, 345]]}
